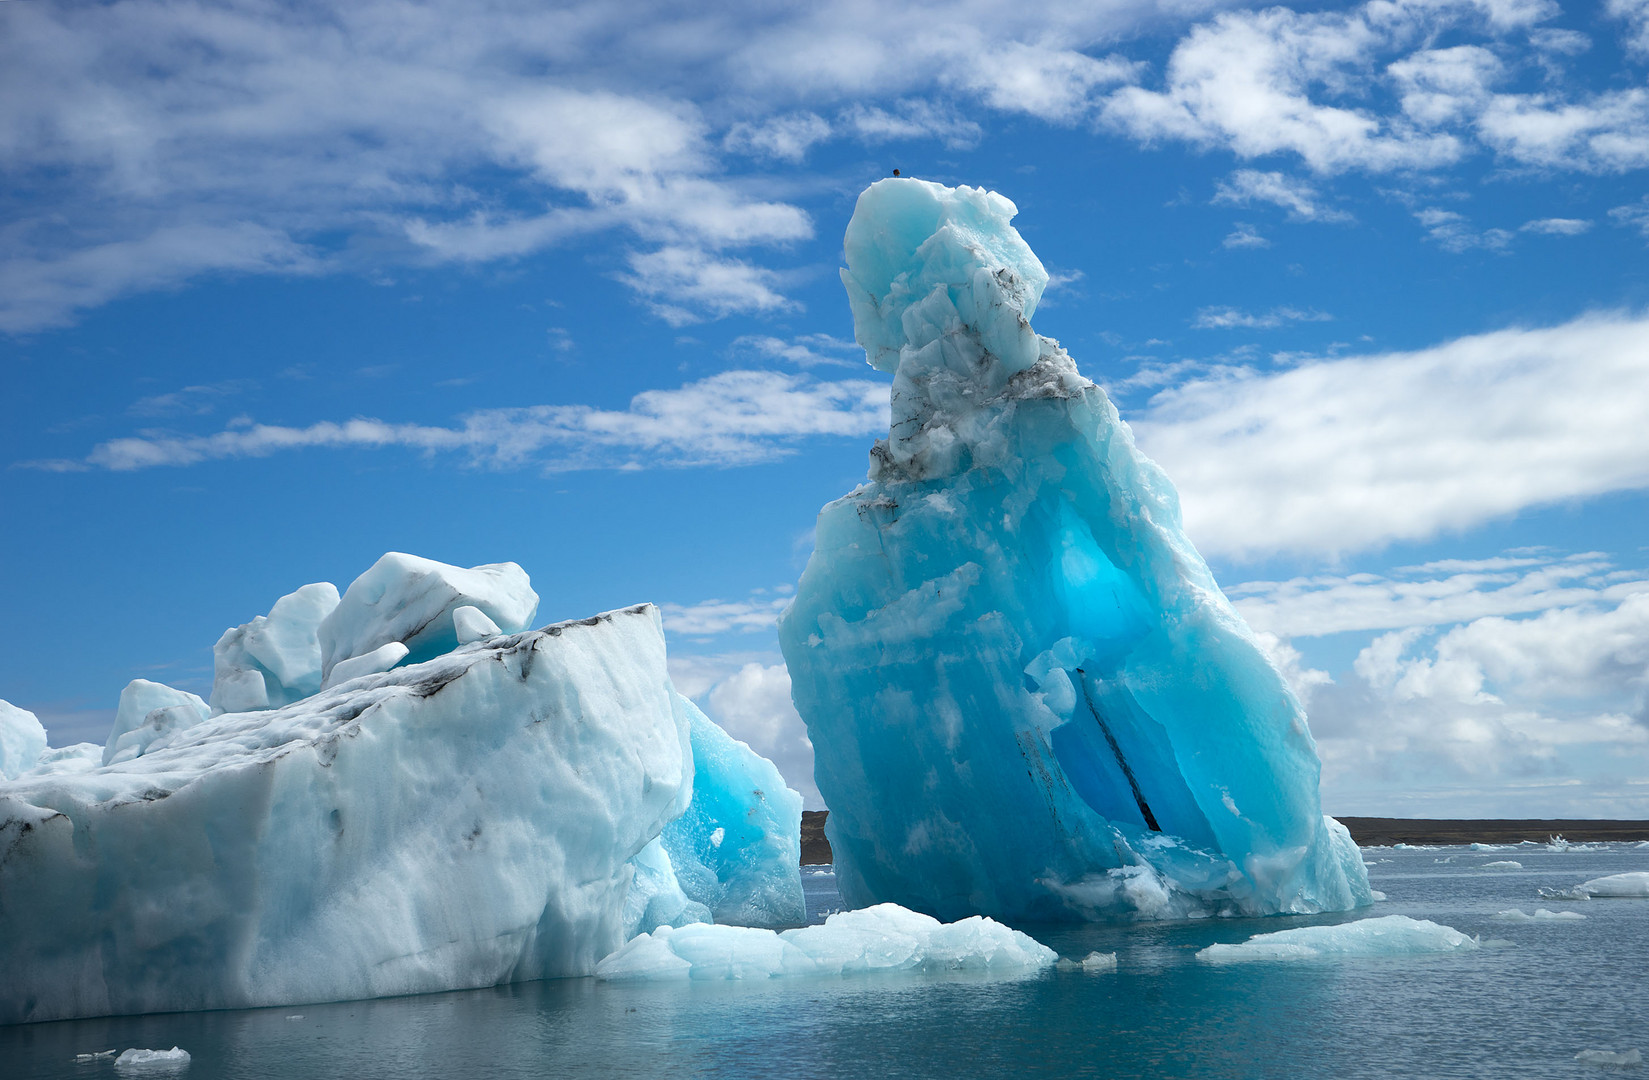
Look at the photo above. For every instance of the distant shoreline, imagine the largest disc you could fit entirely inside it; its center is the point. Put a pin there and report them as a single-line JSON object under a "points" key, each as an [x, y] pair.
{"points": [[1379, 831]]}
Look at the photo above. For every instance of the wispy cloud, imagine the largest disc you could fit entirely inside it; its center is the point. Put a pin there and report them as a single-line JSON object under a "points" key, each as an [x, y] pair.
{"points": [[733, 418], [708, 618], [1248, 187], [1230, 318]]}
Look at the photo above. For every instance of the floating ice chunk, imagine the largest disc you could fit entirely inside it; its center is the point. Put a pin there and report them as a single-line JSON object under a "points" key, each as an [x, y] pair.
{"points": [[22, 740], [882, 938], [153, 1060], [1012, 589], [1635, 884], [411, 600], [1503, 864], [737, 849], [1388, 935], [462, 822], [1094, 963], [471, 624], [1540, 915], [100, 1055], [1611, 1059], [378, 660], [275, 659], [148, 712], [1489, 847]]}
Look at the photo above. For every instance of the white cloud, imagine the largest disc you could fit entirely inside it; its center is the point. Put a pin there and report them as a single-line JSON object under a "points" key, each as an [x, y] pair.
{"points": [[1230, 318], [805, 351], [708, 618], [1557, 226], [1633, 215], [914, 119], [1606, 133], [1635, 13], [1453, 232], [1347, 454], [681, 282], [1245, 236], [733, 418], [1245, 187], [1435, 594], [787, 137]]}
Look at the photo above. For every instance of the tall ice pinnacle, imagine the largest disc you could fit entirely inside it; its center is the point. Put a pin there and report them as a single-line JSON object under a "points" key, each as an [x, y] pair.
{"points": [[1026, 694]]}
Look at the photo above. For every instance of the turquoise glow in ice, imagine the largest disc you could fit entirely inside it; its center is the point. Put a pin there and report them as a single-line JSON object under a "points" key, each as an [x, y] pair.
{"points": [[1026, 694]]}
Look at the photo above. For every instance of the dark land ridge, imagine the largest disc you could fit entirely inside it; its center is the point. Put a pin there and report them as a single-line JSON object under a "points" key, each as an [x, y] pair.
{"points": [[1378, 831]]}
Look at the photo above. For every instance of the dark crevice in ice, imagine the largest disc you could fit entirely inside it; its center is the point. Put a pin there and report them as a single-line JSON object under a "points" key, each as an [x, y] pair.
{"points": [[1133, 782]]}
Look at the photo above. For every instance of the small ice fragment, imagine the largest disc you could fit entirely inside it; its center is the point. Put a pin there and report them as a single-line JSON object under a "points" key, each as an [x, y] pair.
{"points": [[378, 660], [1376, 895], [1644, 846], [101, 1055], [1610, 1059], [1092, 964], [472, 624], [295, 1016], [717, 837], [1540, 914], [1503, 864], [153, 1059], [1634, 885], [1387, 935], [886, 937]]}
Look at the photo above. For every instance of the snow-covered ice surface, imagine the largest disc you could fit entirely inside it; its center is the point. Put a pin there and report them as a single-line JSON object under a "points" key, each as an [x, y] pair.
{"points": [[1511, 1013], [1026, 693], [461, 822], [1385, 935], [275, 659], [884, 938]]}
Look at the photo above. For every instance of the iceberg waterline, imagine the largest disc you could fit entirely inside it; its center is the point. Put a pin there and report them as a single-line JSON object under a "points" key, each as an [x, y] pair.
{"points": [[1026, 694], [487, 815]]}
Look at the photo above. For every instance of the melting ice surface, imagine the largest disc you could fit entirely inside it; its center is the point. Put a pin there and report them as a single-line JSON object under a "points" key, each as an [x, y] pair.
{"points": [[882, 938], [496, 805], [1387, 935], [1026, 694]]}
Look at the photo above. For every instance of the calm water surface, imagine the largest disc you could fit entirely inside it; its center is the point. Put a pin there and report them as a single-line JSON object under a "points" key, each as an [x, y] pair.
{"points": [[1521, 1009]]}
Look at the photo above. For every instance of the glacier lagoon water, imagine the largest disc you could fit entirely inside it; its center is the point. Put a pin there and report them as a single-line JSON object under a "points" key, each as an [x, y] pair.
{"points": [[1522, 1009]]}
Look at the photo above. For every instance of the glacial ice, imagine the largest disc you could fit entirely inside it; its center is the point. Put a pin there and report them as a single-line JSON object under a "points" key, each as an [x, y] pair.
{"points": [[412, 600], [1026, 694], [1093, 964], [1611, 1059], [1388, 935], [136, 1060], [1632, 885], [275, 659], [462, 822], [885, 937], [1503, 864], [1540, 915], [22, 740], [737, 848], [149, 711]]}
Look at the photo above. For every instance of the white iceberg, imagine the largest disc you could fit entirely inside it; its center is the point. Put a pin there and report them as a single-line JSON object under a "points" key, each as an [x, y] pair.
{"points": [[136, 1060], [275, 659], [462, 822], [1631, 885], [1503, 864], [876, 939], [1611, 1059], [407, 599], [1026, 694], [148, 712], [1540, 915], [1388, 935], [22, 740]]}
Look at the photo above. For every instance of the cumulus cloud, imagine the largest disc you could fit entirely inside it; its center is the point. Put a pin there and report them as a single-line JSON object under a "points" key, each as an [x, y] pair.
{"points": [[733, 418], [1557, 226], [1245, 236], [1347, 454]]}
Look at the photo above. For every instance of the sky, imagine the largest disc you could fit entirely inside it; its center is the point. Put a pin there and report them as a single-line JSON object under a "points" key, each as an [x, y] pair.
{"points": [[284, 286]]}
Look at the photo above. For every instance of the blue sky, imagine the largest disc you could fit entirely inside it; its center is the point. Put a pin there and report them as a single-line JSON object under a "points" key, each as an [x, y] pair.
{"points": [[284, 287]]}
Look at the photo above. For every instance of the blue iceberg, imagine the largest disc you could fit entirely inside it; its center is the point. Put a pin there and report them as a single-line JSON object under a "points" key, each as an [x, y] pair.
{"points": [[1026, 693]]}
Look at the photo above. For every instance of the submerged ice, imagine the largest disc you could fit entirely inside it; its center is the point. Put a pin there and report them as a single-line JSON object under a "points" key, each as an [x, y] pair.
{"points": [[412, 794], [1026, 694]]}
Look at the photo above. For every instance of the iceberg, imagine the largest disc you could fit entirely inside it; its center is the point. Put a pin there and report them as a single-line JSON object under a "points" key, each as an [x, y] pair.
{"points": [[22, 740], [149, 711], [1388, 935], [882, 938], [465, 821], [1026, 694], [1633, 885], [275, 659], [1540, 915], [1611, 1059], [415, 601], [136, 1060]]}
